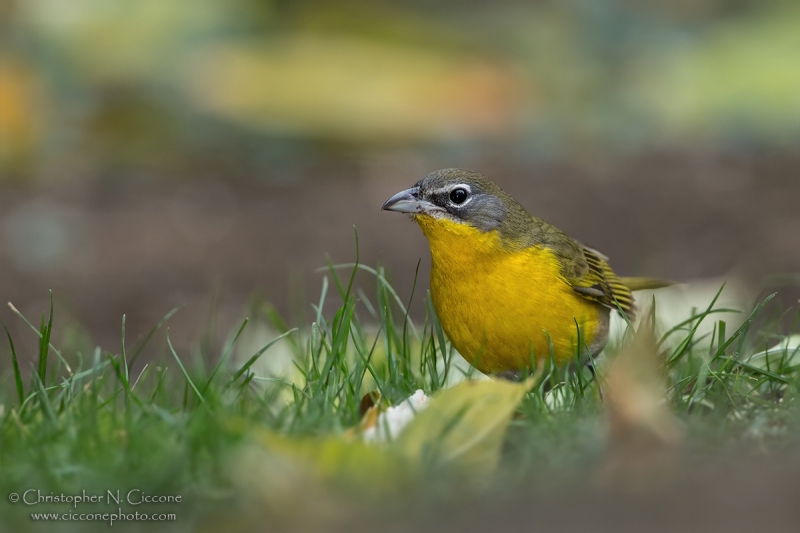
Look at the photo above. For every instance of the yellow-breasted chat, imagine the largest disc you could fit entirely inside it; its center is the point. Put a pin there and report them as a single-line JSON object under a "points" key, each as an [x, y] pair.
{"points": [[510, 289]]}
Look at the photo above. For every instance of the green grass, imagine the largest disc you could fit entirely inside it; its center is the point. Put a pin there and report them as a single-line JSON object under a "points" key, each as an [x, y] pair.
{"points": [[180, 425]]}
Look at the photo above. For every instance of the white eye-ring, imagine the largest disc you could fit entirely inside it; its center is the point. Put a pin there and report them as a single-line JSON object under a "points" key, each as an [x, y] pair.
{"points": [[460, 194]]}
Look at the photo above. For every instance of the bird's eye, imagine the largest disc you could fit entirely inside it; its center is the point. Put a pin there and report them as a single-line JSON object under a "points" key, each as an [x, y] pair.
{"points": [[458, 196]]}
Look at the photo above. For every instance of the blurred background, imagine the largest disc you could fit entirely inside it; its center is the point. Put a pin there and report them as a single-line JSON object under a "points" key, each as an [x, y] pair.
{"points": [[213, 153]]}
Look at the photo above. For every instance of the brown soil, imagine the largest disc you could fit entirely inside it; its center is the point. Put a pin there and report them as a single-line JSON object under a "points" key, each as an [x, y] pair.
{"points": [[140, 248]]}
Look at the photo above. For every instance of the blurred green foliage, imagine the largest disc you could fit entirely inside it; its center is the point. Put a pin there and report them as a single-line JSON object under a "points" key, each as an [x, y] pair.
{"points": [[89, 86]]}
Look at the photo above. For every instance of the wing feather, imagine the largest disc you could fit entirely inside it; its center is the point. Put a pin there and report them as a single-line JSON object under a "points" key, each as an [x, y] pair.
{"points": [[600, 283], [584, 268]]}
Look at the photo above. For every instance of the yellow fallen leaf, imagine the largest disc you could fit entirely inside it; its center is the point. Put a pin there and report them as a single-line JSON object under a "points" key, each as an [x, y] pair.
{"points": [[333, 458], [465, 425]]}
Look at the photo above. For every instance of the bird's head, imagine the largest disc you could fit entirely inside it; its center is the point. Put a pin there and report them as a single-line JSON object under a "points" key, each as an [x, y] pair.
{"points": [[457, 195]]}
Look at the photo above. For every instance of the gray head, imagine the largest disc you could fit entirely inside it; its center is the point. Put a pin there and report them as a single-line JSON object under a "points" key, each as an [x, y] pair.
{"points": [[460, 195]]}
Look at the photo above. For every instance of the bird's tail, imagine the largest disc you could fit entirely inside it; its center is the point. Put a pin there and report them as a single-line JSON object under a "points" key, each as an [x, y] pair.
{"points": [[640, 284]]}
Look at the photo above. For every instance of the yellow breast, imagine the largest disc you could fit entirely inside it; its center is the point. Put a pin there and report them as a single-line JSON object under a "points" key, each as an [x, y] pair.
{"points": [[503, 308]]}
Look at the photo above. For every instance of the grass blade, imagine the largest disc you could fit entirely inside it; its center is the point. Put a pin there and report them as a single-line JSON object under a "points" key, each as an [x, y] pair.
{"points": [[39, 334], [183, 369], [254, 358], [44, 342], [15, 363], [44, 400], [225, 355], [161, 322]]}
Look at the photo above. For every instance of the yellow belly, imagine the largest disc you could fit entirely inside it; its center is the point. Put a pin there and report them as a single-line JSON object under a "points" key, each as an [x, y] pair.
{"points": [[503, 308]]}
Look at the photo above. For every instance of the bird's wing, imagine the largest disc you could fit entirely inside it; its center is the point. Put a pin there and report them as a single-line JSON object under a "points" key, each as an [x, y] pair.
{"points": [[583, 268], [590, 275]]}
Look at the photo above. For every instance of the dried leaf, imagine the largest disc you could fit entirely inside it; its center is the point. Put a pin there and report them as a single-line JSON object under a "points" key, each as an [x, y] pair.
{"points": [[368, 401], [643, 429]]}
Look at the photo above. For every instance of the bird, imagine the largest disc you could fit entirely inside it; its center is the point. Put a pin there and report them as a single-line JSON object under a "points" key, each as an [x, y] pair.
{"points": [[511, 291]]}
